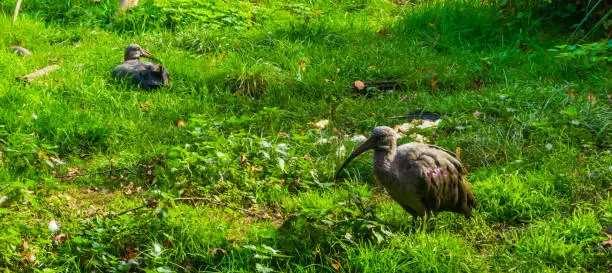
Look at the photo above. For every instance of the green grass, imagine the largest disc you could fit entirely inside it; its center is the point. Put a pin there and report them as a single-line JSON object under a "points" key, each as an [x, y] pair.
{"points": [[246, 78]]}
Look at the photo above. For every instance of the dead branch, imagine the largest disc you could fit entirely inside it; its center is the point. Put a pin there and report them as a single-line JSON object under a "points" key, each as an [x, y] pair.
{"points": [[17, 7], [41, 72], [149, 204]]}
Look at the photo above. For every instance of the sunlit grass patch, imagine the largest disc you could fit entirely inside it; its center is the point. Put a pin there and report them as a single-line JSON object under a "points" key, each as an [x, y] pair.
{"points": [[557, 244], [420, 252], [230, 168]]}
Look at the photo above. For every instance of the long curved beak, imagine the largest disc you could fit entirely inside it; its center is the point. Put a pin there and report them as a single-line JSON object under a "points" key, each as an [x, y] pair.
{"points": [[368, 144], [148, 55]]}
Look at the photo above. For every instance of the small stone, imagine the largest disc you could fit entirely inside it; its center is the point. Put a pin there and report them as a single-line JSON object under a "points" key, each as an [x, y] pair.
{"points": [[53, 226], [549, 146], [359, 138]]}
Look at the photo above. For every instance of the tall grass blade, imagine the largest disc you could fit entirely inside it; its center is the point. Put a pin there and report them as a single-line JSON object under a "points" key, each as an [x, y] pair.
{"points": [[586, 17]]}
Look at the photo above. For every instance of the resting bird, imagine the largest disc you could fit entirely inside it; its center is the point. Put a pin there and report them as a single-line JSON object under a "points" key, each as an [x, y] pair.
{"points": [[145, 74], [422, 178]]}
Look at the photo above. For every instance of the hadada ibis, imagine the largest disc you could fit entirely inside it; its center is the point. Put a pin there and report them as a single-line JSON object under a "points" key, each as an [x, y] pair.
{"points": [[422, 178], [145, 74]]}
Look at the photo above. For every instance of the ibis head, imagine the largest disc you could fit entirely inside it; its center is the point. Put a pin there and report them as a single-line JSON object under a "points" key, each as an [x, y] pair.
{"points": [[135, 52], [382, 139]]}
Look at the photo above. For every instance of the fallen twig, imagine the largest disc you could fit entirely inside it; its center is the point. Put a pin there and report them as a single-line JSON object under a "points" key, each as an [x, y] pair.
{"points": [[17, 7], [41, 72], [149, 204], [246, 211], [126, 211]]}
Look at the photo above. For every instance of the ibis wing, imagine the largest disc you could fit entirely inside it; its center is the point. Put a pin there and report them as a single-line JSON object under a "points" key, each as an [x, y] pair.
{"points": [[439, 176], [147, 75], [453, 158]]}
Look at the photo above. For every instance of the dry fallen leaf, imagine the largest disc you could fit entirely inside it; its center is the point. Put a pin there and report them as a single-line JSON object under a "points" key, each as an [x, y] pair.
{"points": [[359, 85], [214, 251], [27, 254], [336, 266], [282, 135], [382, 32], [336, 131], [319, 124], [180, 123], [145, 106], [74, 171], [476, 83], [131, 255], [302, 65], [434, 83], [591, 98], [458, 153], [58, 238], [222, 55], [244, 162]]}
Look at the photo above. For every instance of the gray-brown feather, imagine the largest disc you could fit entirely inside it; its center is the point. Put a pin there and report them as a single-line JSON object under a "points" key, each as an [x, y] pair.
{"points": [[431, 174], [147, 75]]}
